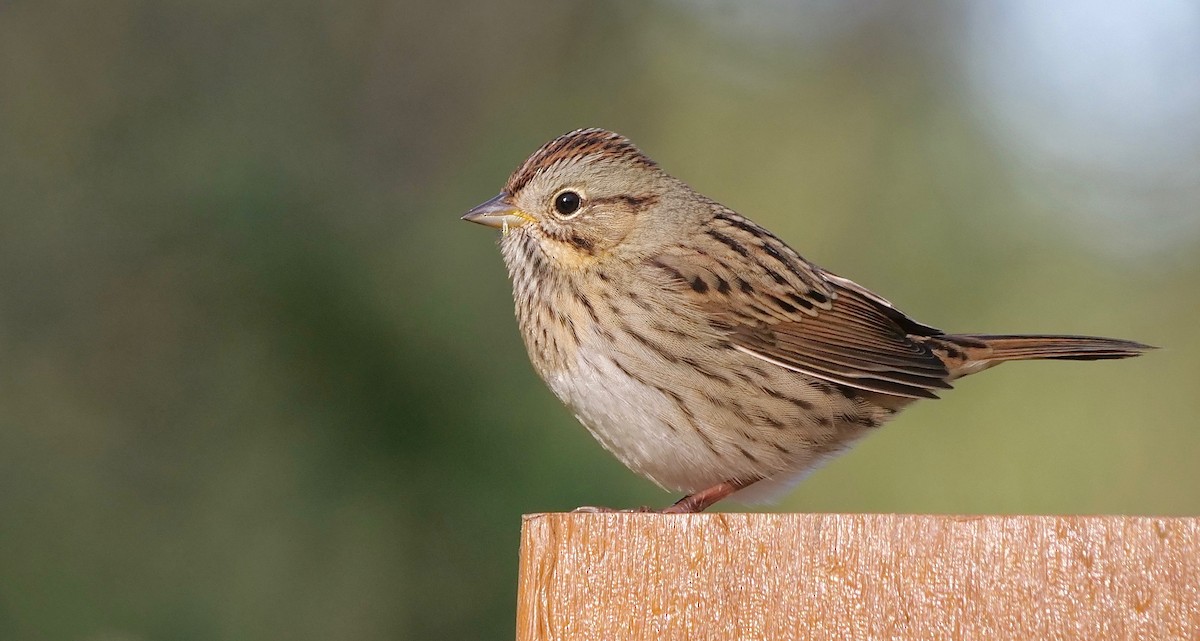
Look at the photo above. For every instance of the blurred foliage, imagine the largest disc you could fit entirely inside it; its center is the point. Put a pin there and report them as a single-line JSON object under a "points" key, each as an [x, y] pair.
{"points": [[259, 382]]}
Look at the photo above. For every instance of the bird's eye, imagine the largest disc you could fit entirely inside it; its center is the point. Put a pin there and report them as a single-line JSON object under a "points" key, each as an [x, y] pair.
{"points": [[567, 203]]}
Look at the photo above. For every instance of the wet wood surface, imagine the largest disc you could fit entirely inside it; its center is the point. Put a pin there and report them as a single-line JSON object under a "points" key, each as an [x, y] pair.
{"points": [[857, 576]]}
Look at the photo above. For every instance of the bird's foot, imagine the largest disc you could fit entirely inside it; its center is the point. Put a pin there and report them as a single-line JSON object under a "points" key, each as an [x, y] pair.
{"points": [[690, 504], [591, 509], [704, 499]]}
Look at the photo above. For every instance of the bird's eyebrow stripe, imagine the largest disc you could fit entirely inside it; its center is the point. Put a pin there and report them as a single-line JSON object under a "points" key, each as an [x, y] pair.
{"points": [[634, 202]]}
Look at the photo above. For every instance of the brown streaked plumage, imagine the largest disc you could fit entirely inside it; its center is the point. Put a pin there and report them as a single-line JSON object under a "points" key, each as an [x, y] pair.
{"points": [[570, 148], [698, 347]]}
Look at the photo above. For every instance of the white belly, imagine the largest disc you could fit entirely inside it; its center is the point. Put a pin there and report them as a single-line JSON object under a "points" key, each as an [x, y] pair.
{"points": [[642, 426]]}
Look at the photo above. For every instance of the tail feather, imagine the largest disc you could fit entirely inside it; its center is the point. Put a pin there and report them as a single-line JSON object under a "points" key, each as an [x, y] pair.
{"points": [[969, 353]]}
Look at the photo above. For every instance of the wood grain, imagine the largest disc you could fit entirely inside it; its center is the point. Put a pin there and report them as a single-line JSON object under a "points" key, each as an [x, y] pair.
{"points": [[857, 576]]}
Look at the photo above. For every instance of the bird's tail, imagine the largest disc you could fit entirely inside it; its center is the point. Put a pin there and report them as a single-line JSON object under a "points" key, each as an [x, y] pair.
{"points": [[969, 353]]}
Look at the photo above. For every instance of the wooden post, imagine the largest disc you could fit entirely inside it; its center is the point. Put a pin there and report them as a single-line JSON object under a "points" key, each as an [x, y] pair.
{"points": [[614, 577]]}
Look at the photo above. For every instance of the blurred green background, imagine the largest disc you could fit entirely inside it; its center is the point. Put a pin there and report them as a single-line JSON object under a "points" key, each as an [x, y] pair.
{"points": [[257, 380]]}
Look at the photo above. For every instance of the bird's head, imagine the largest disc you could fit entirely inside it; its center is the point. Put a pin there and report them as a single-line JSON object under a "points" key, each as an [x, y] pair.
{"points": [[583, 197]]}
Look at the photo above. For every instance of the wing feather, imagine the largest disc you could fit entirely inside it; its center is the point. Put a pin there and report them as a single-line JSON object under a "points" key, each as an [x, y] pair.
{"points": [[783, 310]]}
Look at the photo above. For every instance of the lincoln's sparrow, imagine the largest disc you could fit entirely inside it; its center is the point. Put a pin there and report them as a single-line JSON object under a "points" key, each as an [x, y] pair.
{"points": [[695, 345]]}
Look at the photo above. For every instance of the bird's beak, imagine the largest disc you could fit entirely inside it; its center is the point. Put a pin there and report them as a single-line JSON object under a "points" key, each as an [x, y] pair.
{"points": [[499, 213]]}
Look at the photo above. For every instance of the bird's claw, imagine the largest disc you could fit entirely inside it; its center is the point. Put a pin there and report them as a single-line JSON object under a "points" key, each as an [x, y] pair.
{"points": [[591, 509]]}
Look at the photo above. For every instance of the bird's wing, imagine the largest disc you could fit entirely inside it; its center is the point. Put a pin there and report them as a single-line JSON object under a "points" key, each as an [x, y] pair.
{"points": [[772, 304]]}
